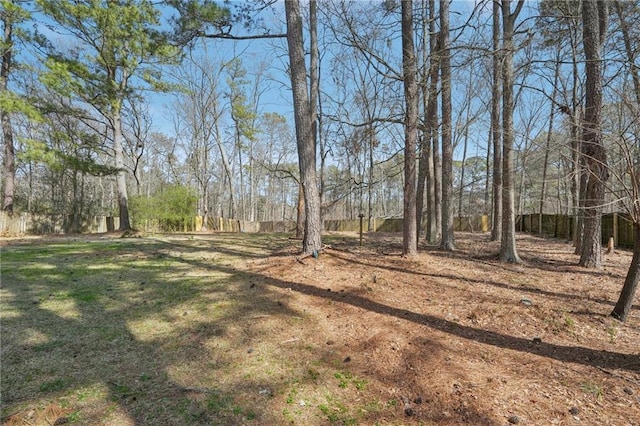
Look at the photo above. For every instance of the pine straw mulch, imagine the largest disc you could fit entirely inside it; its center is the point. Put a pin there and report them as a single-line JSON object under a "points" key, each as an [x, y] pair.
{"points": [[459, 338]]}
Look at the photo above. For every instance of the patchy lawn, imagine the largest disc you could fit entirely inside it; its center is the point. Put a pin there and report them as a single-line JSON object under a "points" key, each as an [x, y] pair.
{"points": [[229, 329]]}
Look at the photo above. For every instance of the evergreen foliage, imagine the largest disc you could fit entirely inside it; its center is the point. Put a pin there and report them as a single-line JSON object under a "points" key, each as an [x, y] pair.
{"points": [[173, 207]]}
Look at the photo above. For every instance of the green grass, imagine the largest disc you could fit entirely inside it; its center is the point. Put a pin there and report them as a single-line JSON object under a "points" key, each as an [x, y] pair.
{"points": [[161, 330], [151, 330], [337, 413], [52, 386], [345, 378]]}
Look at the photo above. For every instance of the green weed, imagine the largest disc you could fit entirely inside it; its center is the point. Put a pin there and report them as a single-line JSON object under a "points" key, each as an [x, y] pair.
{"points": [[53, 386], [344, 378], [592, 388]]}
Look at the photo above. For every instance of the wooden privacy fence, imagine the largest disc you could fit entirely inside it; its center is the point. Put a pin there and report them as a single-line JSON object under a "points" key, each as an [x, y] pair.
{"points": [[614, 225], [35, 224], [460, 224], [222, 224]]}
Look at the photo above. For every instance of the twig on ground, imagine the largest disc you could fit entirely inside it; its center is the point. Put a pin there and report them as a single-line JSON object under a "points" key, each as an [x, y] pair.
{"points": [[619, 376]]}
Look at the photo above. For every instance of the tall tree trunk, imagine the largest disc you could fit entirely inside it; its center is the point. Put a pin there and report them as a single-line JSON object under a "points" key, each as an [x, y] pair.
{"points": [[576, 236], [241, 210], [487, 179], [465, 147], [252, 186], [552, 113], [424, 171], [435, 212], [312, 241], [409, 234], [625, 301], [576, 169], [371, 137], [594, 17], [205, 207], [227, 171], [7, 130], [508, 252], [300, 212], [314, 80], [631, 53], [121, 177], [583, 179], [447, 242], [9, 163], [496, 130]]}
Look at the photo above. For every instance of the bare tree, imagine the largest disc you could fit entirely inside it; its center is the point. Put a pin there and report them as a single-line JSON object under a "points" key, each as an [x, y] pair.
{"points": [[496, 129], [631, 175], [447, 241], [556, 76], [312, 242], [12, 14], [7, 130], [429, 76], [629, 181], [508, 251], [594, 19], [200, 110], [409, 230], [432, 120]]}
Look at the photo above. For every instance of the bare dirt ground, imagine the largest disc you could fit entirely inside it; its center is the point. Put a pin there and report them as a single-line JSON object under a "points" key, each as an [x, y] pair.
{"points": [[458, 338], [229, 329]]}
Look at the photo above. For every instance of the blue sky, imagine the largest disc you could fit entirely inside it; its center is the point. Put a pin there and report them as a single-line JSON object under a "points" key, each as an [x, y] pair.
{"points": [[277, 97]]}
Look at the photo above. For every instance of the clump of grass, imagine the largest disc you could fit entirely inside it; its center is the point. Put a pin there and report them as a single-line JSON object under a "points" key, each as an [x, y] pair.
{"points": [[337, 413], [53, 385], [344, 378], [593, 389]]}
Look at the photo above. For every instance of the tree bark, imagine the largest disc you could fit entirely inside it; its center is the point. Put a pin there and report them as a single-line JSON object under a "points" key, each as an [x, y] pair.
{"points": [[314, 79], [594, 27], [435, 211], [631, 53], [625, 301], [423, 173], [496, 130], [312, 241], [409, 229], [447, 242], [7, 130], [300, 213], [508, 252], [425, 179], [121, 177]]}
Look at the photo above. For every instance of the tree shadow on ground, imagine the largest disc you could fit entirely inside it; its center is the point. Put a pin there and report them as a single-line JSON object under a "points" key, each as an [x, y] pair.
{"points": [[97, 347], [520, 288], [575, 354], [78, 333]]}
